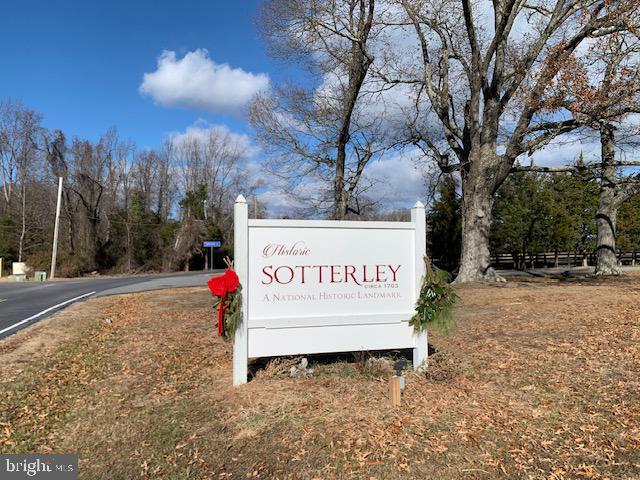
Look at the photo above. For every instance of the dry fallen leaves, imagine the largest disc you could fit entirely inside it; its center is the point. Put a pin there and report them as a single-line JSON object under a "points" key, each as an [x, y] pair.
{"points": [[537, 381]]}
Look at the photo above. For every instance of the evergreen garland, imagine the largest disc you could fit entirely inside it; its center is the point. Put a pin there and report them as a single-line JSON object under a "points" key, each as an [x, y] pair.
{"points": [[436, 301], [232, 312]]}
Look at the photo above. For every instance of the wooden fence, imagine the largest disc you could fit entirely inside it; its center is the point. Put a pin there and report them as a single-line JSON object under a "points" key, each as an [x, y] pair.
{"points": [[561, 259]]}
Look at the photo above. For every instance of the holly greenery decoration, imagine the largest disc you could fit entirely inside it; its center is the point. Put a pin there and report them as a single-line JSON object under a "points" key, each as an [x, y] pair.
{"points": [[232, 313], [227, 289], [436, 300]]}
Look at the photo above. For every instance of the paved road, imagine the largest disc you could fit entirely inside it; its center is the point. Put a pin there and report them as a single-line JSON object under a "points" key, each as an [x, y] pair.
{"points": [[24, 303]]}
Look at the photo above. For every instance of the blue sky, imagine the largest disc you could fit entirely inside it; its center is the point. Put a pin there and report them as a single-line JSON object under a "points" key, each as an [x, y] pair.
{"points": [[151, 68], [81, 63]]}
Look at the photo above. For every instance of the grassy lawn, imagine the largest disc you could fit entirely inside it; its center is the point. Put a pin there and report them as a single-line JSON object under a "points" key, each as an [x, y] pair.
{"points": [[538, 380]]}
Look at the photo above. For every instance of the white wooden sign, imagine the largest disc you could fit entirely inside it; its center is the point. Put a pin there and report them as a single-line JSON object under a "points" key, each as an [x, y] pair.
{"points": [[318, 286]]}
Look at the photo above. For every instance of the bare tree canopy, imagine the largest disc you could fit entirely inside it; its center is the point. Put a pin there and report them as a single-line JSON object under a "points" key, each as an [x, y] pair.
{"points": [[123, 209], [321, 138], [601, 89], [482, 77]]}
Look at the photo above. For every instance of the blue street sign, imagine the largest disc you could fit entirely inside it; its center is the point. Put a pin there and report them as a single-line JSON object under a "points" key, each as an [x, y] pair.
{"points": [[214, 243]]}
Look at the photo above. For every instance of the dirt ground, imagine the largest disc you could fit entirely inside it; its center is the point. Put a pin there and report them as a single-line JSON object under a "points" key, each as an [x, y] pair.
{"points": [[538, 379]]}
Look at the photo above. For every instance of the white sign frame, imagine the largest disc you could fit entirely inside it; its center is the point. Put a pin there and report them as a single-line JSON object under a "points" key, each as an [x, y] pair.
{"points": [[308, 334]]}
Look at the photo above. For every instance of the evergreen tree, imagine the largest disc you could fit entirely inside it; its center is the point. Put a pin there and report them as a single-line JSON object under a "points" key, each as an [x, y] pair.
{"points": [[445, 225], [520, 218], [573, 200], [628, 235]]}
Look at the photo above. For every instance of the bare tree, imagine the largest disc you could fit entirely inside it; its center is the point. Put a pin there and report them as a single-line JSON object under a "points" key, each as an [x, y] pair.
{"points": [[90, 164], [601, 89], [166, 187], [9, 128], [56, 148], [618, 92], [320, 138], [26, 163], [480, 80], [615, 190], [19, 136], [120, 203], [211, 166]]}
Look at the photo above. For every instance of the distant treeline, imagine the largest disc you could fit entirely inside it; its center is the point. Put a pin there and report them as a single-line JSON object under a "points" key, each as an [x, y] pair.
{"points": [[538, 219], [128, 210], [124, 209]]}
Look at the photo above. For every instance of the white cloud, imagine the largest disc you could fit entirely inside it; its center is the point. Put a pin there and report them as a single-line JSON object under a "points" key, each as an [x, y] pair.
{"points": [[306, 199], [278, 204], [195, 81], [394, 182], [201, 130], [397, 180], [565, 151]]}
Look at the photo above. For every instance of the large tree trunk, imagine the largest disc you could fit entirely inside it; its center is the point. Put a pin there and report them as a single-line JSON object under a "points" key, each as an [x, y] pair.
{"points": [[479, 184], [339, 197], [475, 259], [608, 204], [360, 61], [606, 258]]}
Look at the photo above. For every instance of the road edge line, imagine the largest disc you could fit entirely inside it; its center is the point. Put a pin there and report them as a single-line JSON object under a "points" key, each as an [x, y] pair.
{"points": [[33, 317]]}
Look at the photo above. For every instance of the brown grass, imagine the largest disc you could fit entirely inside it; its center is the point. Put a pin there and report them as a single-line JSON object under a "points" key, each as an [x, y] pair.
{"points": [[538, 380]]}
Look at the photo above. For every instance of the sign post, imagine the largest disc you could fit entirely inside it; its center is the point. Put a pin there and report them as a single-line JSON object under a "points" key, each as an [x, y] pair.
{"points": [[320, 286], [241, 266], [418, 218], [210, 244]]}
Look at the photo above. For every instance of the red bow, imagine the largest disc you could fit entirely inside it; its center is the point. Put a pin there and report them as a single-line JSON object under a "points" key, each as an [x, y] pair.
{"points": [[220, 286]]}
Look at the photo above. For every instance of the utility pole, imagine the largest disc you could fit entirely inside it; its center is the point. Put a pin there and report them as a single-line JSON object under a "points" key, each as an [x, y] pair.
{"points": [[205, 208], [54, 251]]}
